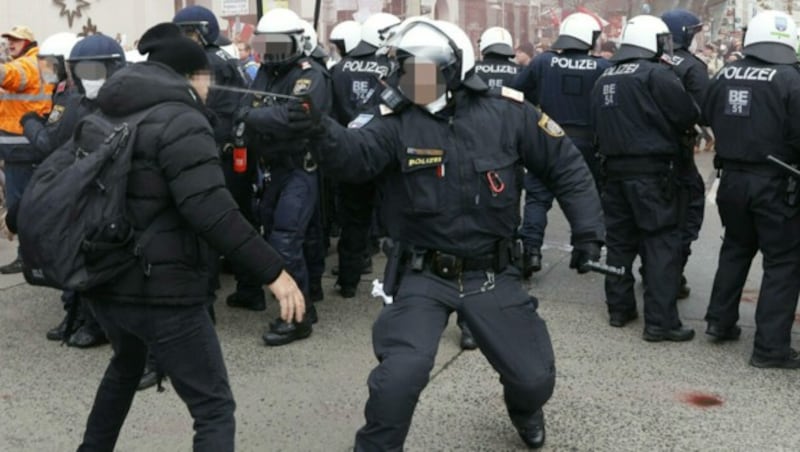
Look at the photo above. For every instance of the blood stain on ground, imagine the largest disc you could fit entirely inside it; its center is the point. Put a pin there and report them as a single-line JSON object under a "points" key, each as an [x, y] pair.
{"points": [[701, 400]]}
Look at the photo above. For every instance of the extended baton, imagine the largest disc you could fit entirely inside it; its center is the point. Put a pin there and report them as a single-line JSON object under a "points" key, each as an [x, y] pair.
{"points": [[255, 92], [784, 165], [608, 270]]}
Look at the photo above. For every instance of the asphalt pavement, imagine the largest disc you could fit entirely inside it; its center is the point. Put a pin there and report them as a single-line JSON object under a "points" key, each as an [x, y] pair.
{"points": [[614, 391]]}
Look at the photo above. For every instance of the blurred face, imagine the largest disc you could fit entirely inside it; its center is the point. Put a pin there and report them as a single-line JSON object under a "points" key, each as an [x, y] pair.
{"points": [[522, 58], [48, 69], [16, 46], [201, 81], [243, 52]]}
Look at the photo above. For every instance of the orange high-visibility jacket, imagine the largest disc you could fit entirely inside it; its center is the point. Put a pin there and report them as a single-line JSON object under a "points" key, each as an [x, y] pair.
{"points": [[22, 90]]}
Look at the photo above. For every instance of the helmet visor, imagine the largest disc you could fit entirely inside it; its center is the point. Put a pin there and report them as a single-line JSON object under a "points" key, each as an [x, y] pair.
{"points": [[90, 70], [421, 80], [195, 30], [51, 68], [274, 48]]}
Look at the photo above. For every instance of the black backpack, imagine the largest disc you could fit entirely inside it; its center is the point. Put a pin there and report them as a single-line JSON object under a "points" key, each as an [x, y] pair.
{"points": [[73, 229]]}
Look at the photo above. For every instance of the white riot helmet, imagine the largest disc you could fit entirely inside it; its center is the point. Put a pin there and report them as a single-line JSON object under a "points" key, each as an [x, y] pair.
{"points": [[373, 33], [772, 37], [496, 40], [279, 37], [52, 54], [434, 58], [644, 37], [579, 31], [311, 41], [346, 36]]}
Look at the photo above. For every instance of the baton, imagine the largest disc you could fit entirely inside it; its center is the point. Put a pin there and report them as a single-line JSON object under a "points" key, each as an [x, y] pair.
{"points": [[608, 270], [784, 165]]}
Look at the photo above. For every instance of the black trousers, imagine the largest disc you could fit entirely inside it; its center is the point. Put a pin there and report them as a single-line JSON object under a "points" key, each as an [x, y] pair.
{"points": [[756, 218], [356, 204], [642, 217], [185, 346], [696, 187], [406, 336]]}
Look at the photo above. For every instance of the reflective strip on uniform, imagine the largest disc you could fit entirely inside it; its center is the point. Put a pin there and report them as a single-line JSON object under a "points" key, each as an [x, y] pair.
{"points": [[25, 97], [23, 77], [13, 140]]}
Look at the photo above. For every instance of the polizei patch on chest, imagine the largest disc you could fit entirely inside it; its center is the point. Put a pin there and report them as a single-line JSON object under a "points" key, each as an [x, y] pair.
{"points": [[422, 158]]}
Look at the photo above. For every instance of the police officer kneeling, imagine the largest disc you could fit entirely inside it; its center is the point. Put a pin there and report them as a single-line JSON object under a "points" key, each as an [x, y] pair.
{"points": [[753, 107], [453, 154]]}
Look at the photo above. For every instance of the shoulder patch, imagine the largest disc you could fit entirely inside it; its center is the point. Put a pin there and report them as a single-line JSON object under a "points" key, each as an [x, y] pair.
{"points": [[55, 114], [385, 110], [360, 121], [61, 87], [304, 65], [550, 127], [301, 86], [510, 93]]}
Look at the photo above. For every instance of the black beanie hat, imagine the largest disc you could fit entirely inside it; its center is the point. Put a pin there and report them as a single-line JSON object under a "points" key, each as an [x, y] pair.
{"points": [[166, 44]]}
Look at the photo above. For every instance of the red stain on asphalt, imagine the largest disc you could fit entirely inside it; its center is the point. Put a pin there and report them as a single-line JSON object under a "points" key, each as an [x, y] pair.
{"points": [[749, 295], [701, 400], [747, 299]]}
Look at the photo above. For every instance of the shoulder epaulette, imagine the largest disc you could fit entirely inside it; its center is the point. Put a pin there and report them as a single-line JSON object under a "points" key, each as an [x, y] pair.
{"points": [[511, 93]]}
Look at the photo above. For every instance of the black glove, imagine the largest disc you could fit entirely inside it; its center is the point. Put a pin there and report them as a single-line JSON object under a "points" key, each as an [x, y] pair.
{"points": [[300, 115], [582, 253], [31, 115]]}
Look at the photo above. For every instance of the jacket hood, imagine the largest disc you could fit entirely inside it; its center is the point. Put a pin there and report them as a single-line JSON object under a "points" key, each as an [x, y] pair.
{"points": [[143, 85]]}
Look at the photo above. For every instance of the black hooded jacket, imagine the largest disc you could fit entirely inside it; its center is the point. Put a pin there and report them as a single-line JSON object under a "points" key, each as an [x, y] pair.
{"points": [[176, 168]]}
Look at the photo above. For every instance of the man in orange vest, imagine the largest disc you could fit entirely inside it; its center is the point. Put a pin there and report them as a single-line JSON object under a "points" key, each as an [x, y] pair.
{"points": [[21, 91]]}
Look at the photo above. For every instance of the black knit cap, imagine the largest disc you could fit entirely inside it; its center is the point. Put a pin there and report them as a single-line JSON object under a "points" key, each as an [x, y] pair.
{"points": [[166, 44]]}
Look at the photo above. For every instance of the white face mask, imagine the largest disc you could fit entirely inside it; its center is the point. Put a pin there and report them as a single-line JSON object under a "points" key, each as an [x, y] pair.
{"points": [[92, 87], [49, 77]]}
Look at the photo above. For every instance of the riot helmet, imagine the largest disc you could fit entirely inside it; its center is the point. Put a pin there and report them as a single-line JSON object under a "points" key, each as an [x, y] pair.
{"points": [[346, 36], [198, 23], [496, 40], [279, 37], [93, 60], [312, 47], [53, 54], [579, 31], [374, 32], [772, 37], [645, 37], [683, 25]]}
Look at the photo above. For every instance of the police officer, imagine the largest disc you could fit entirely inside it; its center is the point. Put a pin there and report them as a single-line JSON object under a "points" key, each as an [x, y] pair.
{"points": [[752, 106], [560, 82], [345, 36], [92, 61], [497, 49], [640, 111], [693, 73], [290, 191], [356, 88], [453, 158], [201, 25]]}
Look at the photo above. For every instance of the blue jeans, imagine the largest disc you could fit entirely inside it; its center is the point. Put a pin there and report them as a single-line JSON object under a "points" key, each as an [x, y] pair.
{"points": [[186, 348]]}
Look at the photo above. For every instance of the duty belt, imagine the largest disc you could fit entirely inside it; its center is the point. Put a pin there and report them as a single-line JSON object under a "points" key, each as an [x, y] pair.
{"points": [[759, 168], [620, 167], [450, 266]]}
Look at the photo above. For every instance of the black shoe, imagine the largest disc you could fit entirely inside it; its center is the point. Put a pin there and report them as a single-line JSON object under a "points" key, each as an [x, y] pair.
{"points": [[658, 334], [282, 333], [721, 334], [684, 290], [533, 431], [255, 302], [59, 332], [148, 380], [467, 341], [87, 336], [790, 362], [315, 291], [311, 315], [346, 291], [13, 267], [531, 262], [622, 318]]}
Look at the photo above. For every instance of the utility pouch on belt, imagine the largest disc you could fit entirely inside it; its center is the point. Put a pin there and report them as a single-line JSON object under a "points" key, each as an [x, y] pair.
{"points": [[791, 192]]}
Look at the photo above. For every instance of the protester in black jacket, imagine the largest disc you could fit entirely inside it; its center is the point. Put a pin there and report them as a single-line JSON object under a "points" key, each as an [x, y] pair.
{"points": [[175, 177]]}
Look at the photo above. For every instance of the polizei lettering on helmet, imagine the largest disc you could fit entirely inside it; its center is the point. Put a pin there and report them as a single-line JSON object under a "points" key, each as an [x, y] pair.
{"points": [[569, 63], [372, 67], [495, 69], [757, 74], [629, 68]]}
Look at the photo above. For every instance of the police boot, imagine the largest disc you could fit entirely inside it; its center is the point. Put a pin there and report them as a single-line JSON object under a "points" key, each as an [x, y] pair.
{"points": [[531, 262], [790, 362], [346, 291], [658, 334], [252, 301], [148, 380], [14, 267], [532, 430], [684, 290], [282, 333], [88, 335], [59, 332], [467, 341], [720, 333]]}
